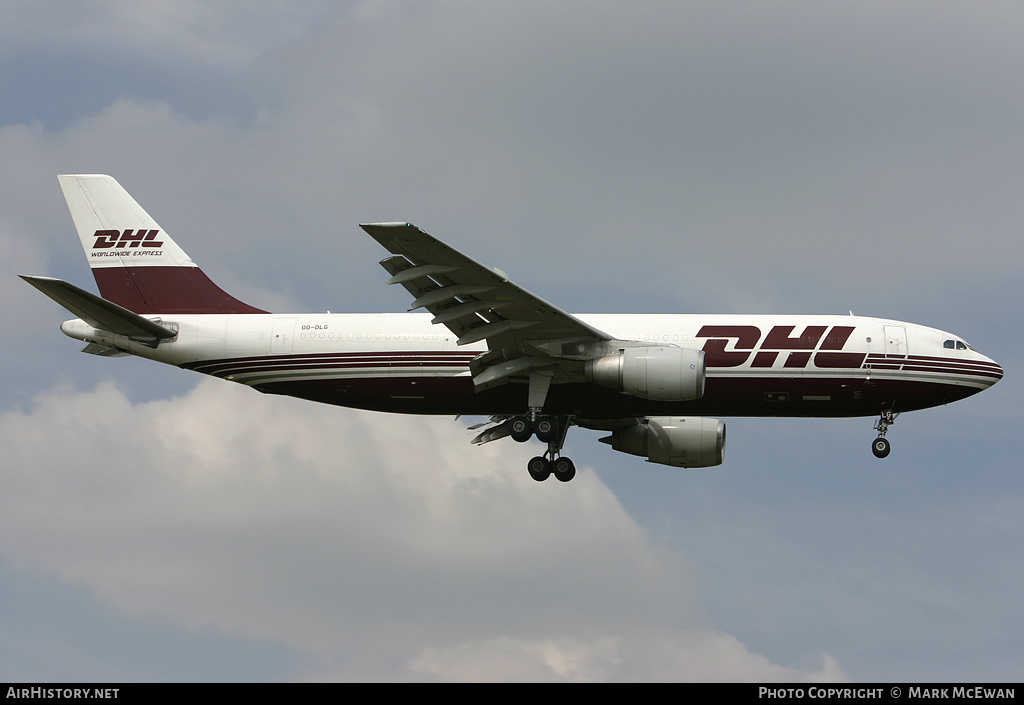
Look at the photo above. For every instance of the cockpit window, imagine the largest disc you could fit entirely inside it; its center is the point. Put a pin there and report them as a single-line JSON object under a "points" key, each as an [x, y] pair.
{"points": [[949, 344], [956, 345]]}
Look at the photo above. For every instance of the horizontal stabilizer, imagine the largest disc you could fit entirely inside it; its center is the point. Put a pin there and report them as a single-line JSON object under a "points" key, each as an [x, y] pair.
{"points": [[103, 350], [100, 313]]}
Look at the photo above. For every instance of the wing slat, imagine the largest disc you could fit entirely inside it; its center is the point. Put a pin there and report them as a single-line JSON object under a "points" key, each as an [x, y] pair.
{"points": [[421, 250], [523, 331]]}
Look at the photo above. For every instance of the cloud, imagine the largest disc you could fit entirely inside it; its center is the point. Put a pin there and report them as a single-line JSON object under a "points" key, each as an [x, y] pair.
{"points": [[229, 32], [703, 154], [675, 157], [691, 655], [354, 539], [60, 63]]}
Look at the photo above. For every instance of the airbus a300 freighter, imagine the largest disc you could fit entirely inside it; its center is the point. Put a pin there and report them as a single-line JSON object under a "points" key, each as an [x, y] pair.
{"points": [[487, 347]]}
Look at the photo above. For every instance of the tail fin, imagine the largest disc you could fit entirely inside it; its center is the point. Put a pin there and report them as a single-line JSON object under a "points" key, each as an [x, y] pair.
{"points": [[136, 264]]}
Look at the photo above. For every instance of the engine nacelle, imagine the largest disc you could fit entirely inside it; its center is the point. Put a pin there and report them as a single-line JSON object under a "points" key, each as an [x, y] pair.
{"points": [[661, 373], [679, 441]]}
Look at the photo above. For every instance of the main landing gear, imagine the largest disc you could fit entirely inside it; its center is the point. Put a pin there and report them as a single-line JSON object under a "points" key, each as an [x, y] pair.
{"points": [[550, 430], [880, 446]]}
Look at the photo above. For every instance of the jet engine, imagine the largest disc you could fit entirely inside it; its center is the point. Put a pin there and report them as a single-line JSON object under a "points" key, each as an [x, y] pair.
{"points": [[664, 373], [679, 441]]}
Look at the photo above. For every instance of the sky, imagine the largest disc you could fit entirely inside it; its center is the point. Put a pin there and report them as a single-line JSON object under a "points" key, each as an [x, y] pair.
{"points": [[740, 157]]}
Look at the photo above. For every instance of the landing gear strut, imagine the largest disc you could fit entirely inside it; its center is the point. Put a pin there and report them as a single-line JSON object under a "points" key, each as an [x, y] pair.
{"points": [[550, 430], [880, 446]]}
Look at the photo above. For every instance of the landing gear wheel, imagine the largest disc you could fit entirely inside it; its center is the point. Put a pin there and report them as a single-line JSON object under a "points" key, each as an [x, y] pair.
{"points": [[540, 468], [550, 430], [564, 469], [880, 447], [546, 430], [520, 429]]}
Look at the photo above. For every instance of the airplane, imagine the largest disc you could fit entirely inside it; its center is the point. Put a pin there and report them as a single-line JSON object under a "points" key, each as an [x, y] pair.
{"points": [[487, 347]]}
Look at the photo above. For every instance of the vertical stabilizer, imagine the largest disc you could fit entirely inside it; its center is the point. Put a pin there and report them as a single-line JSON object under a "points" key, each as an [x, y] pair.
{"points": [[136, 264]]}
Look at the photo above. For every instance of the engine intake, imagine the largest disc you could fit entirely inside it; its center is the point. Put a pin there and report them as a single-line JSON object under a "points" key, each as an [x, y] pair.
{"points": [[678, 441], [663, 373]]}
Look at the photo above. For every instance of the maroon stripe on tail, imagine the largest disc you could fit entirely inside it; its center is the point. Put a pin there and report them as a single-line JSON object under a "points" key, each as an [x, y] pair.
{"points": [[161, 290]]}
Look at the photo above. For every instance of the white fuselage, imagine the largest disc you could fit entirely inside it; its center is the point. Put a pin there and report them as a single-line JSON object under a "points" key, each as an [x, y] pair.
{"points": [[757, 365]]}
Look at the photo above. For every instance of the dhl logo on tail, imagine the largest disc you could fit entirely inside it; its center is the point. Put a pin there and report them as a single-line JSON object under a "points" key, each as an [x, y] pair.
{"points": [[106, 239]]}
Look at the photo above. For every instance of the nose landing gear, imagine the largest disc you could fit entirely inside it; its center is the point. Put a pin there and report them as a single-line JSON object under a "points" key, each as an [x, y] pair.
{"points": [[880, 446]]}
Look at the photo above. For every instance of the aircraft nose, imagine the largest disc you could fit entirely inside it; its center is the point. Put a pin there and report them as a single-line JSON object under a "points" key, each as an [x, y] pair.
{"points": [[993, 370]]}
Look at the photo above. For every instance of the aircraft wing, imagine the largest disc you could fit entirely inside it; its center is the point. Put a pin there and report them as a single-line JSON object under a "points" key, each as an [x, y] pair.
{"points": [[524, 333]]}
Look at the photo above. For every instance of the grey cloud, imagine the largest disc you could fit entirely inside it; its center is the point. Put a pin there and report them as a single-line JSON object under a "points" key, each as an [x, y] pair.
{"points": [[664, 156], [280, 521]]}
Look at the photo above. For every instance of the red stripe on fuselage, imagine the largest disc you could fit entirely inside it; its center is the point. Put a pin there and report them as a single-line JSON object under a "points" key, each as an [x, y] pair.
{"points": [[723, 396], [924, 363], [387, 384], [241, 365]]}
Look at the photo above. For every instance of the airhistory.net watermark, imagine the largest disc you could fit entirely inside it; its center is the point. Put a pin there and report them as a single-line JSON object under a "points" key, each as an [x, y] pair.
{"points": [[62, 693]]}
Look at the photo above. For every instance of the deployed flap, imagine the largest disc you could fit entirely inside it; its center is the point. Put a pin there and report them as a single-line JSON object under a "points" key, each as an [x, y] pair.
{"points": [[100, 313], [502, 428], [473, 301], [523, 331]]}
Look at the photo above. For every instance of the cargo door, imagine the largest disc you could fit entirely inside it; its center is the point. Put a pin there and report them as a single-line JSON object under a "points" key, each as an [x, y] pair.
{"points": [[281, 338], [896, 340]]}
